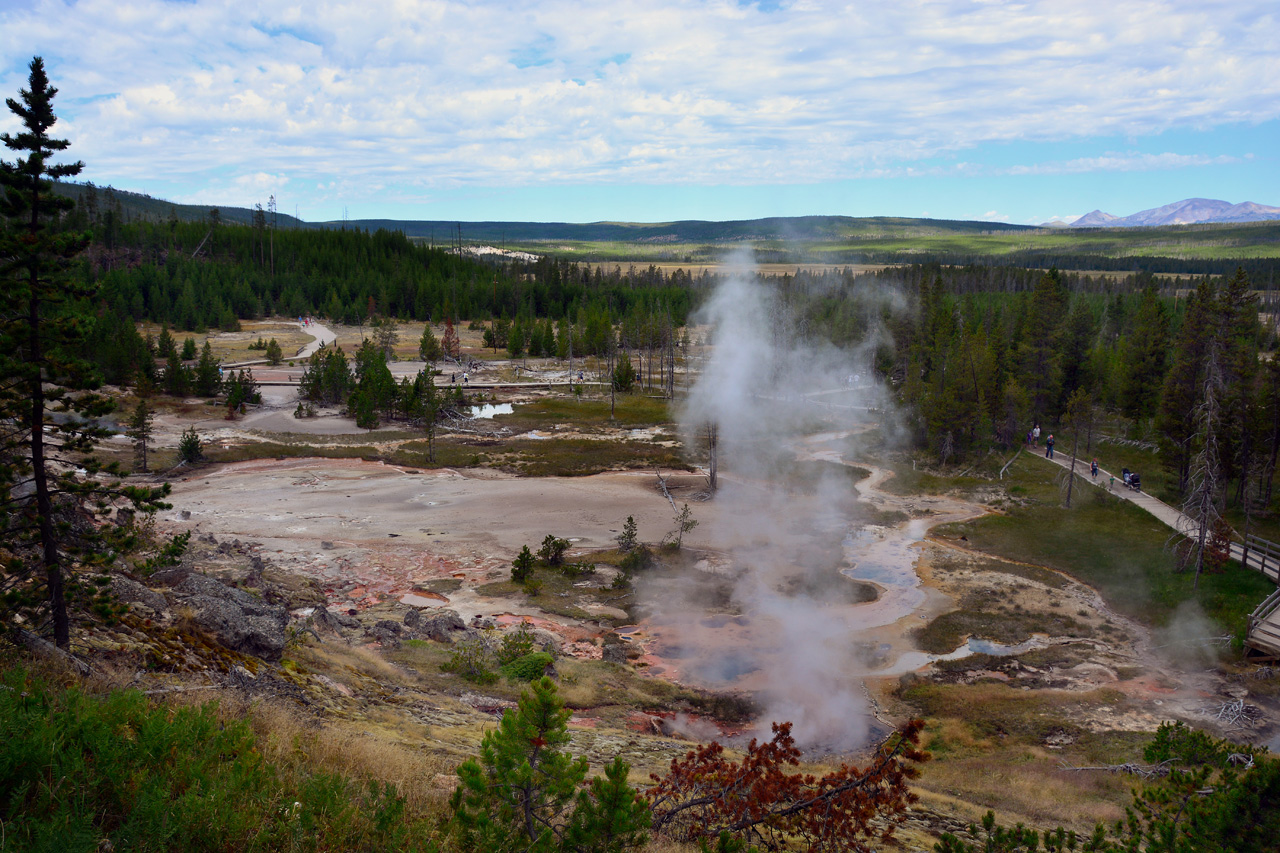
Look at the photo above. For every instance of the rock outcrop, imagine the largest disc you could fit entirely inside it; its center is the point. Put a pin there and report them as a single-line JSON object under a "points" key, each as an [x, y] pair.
{"points": [[236, 619]]}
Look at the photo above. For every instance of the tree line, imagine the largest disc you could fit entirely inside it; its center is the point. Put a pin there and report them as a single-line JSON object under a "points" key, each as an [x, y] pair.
{"points": [[195, 275]]}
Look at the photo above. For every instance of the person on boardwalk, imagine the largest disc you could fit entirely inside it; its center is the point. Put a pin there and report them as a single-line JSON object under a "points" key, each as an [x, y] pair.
{"points": [[1048, 447], [1093, 469], [1035, 435]]}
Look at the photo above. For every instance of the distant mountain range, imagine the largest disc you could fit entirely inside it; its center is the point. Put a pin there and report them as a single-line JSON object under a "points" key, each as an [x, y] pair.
{"points": [[1189, 211]]}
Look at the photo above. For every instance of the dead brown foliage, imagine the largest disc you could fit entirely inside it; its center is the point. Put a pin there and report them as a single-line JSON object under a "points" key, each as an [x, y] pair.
{"points": [[704, 794]]}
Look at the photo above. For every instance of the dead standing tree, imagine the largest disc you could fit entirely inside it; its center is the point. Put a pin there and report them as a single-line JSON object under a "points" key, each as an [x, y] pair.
{"points": [[1079, 416], [1200, 509], [713, 448]]}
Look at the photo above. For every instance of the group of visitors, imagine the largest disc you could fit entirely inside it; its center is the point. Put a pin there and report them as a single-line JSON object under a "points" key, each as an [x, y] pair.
{"points": [[1033, 440]]}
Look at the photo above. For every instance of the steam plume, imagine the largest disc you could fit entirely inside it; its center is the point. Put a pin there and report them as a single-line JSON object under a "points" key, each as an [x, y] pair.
{"points": [[776, 398]]}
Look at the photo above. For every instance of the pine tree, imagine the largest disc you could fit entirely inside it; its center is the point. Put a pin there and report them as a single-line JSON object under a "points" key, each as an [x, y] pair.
{"points": [[46, 477], [1145, 358], [628, 538], [1041, 361], [429, 346], [375, 393], [450, 344], [165, 347], [327, 377], [190, 447], [208, 378], [425, 408], [522, 565], [139, 430], [1183, 386], [524, 792], [177, 379]]}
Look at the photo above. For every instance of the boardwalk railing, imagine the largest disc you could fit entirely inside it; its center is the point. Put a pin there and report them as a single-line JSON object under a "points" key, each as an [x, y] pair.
{"points": [[1264, 634], [1263, 555]]}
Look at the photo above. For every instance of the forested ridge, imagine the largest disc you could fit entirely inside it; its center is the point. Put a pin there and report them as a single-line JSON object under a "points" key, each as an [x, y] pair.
{"points": [[978, 353]]}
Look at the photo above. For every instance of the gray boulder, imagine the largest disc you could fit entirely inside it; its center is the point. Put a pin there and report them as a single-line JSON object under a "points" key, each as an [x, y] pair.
{"points": [[386, 632], [346, 620], [440, 625], [325, 620], [132, 592], [547, 641], [236, 619], [614, 653], [412, 618]]}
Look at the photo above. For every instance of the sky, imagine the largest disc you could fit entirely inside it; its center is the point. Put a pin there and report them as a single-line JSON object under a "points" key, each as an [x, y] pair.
{"points": [[1016, 112]]}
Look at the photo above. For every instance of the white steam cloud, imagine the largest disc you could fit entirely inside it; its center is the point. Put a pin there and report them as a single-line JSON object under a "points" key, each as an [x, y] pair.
{"points": [[783, 407]]}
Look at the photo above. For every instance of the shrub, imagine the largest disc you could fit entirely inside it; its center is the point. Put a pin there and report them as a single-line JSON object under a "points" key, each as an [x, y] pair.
{"points": [[528, 667], [553, 550], [470, 659], [516, 644], [637, 560], [577, 570]]}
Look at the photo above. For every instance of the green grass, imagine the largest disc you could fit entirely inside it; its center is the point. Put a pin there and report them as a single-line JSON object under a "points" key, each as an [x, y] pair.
{"points": [[1110, 544], [576, 457], [630, 411], [84, 772]]}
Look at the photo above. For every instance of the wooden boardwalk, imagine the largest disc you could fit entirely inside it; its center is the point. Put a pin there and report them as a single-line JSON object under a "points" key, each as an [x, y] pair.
{"points": [[1263, 632]]}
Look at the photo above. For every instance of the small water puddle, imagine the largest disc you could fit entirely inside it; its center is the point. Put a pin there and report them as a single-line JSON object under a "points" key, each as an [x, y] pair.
{"points": [[488, 410], [423, 599]]}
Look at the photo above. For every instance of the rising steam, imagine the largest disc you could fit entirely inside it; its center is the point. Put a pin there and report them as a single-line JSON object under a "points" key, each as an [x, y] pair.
{"points": [[779, 401]]}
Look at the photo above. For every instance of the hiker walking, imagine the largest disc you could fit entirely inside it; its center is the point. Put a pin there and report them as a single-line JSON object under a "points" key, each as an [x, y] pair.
{"points": [[1093, 469], [1048, 447], [1035, 435]]}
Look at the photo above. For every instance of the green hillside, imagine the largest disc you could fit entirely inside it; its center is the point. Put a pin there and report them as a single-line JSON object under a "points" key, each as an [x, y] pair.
{"points": [[1207, 249], [139, 207]]}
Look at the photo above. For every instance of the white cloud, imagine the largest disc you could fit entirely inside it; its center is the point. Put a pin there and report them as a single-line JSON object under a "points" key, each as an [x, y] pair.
{"points": [[440, 93], [1122, 162]]}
